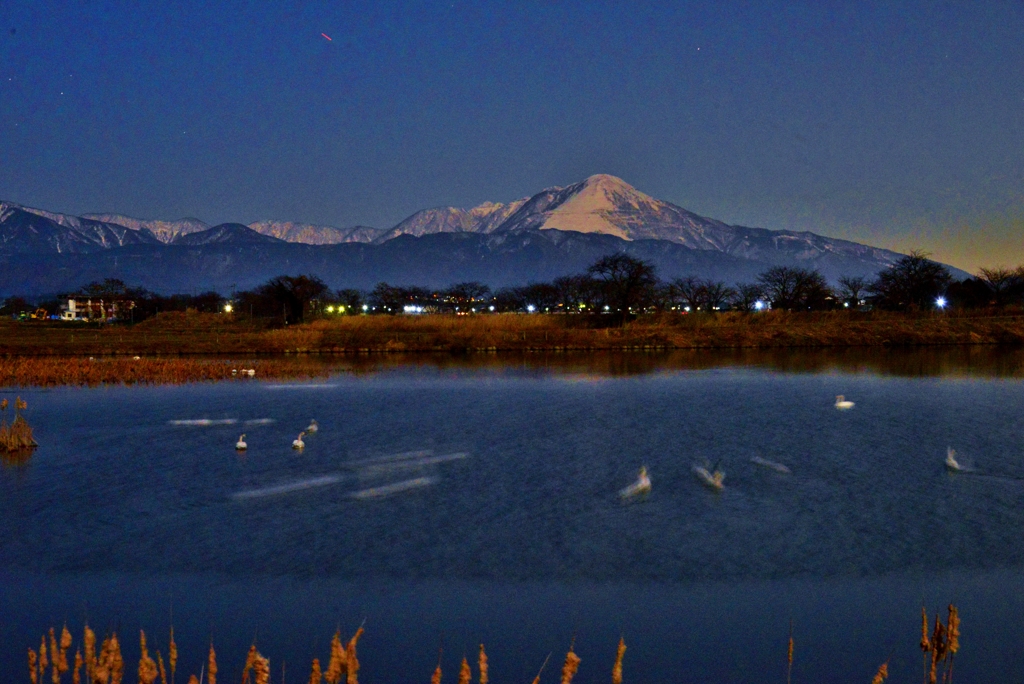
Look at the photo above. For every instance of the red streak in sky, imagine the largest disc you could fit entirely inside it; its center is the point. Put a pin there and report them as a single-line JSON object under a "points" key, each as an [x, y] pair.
{"points": [[326, 36]]}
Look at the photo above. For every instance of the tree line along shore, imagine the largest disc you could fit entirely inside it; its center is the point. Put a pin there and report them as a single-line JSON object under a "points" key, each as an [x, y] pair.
{"points": [[618, 304]]}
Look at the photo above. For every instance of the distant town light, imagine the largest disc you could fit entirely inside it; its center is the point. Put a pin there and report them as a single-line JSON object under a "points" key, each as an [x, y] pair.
{"points": [[940, 302], [227, 308], [330, 309], [365, 307], [531, 308], [758, 305], [606, 308], [492, 307]]}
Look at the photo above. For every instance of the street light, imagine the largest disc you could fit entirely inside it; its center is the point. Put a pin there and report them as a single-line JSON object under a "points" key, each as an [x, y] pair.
{"points": [[940, 302], [227, 308]]}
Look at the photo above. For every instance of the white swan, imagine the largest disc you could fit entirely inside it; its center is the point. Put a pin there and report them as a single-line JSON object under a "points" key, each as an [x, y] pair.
{"points": [[842, 403], [298, 443], [313, 426], [951, 461], [240, 444], [641, 486], [252, 372], [713, 480]]}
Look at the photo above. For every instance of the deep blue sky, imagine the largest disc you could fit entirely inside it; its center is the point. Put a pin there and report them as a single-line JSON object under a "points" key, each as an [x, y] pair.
{"points": [[897, 123]]}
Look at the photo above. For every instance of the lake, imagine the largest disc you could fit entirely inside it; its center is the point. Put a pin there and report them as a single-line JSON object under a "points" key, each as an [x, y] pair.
{"points": [[450, 502]]}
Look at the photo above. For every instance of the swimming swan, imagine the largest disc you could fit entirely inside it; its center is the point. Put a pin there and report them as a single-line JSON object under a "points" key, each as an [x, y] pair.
{"points": [[951, 462], [313, 426], [842, 403], [241, 445], [641, 486], [298, 443], [713, 480]]}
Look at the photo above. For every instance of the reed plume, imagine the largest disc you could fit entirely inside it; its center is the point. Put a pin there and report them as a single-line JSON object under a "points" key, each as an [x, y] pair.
{"points": [[211, 666], [336, 665], [33, 662], [147, 666], [481, 663], [193, 679], [172, 655], [261, 669], [882, 673], [939, 646], [315, 676], [64, 644], [436, 677], [76, 673], [572, 664], [54, 658], [465, 674], [116, 661], [163, 670], [953, 638], [617, 667], [44, 662], [351, 662], [250, 663], [536, 680], [789, 655]]}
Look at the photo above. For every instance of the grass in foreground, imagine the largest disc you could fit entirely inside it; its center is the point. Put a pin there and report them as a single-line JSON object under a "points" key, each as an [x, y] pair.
{"points": [[939, 645]]}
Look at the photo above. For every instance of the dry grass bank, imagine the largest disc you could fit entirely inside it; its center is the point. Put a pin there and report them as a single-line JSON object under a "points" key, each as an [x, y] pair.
{"points": [[222, 334]]}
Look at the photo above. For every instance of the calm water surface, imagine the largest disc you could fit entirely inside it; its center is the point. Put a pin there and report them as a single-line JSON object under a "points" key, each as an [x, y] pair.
{"points": [[506, 526]]}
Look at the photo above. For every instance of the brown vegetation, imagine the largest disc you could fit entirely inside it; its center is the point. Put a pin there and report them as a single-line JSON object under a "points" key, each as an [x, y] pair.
{"points": [[195, 333], [938, 646], [16, 437]]}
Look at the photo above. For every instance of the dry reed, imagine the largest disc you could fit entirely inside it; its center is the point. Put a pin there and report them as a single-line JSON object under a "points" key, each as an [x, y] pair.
{"points": [[941, 642], [617, 667], [172, 655], [76, 673], [789, 655], [147, 666], [572, 664], [336, 665], [481, 663], [90, 654], [351, 662], [211, 666], [536, 680], [315, 676]]}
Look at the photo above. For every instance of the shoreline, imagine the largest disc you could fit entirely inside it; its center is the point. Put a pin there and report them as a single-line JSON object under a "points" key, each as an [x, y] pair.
{"points": [[195, 335]]}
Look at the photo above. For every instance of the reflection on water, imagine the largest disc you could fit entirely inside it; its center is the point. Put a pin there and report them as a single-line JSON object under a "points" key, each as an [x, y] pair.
{"points": [[482, 499], [946, 361]]}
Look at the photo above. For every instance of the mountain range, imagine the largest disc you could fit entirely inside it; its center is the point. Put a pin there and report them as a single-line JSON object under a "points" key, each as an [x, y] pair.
{"points": [[554, 232]]}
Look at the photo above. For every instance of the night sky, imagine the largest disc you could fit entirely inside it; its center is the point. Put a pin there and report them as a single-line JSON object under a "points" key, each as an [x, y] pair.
{"points": [[894, 123]]}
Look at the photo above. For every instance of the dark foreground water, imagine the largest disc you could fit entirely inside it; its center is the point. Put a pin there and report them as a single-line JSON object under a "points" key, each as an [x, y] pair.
{"points": [[505, 526]]}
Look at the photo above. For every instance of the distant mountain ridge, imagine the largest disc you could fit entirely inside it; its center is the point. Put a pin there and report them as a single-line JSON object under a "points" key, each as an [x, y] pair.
{"points": [[553, 232]]}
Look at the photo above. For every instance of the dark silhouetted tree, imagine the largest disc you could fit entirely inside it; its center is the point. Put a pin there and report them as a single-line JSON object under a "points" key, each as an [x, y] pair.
{"points": [[913, 282], [627, 284]]}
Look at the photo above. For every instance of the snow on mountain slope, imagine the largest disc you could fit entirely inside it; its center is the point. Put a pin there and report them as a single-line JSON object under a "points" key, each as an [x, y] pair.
{"points": [[25, 228], [483, 218], [164, 231], [308, 234]]}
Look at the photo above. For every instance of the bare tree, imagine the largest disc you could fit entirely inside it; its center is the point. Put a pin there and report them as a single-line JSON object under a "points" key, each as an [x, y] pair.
{"points": [[915, 281], [852, 290], [795, 288], [1001, 283], [746, 297], [626, 283]]}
